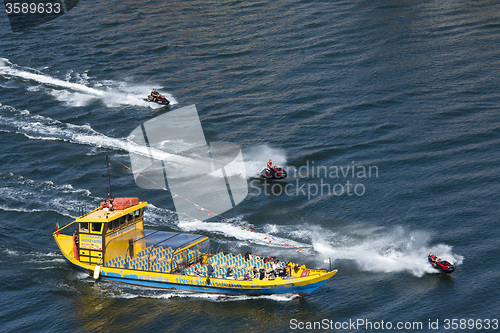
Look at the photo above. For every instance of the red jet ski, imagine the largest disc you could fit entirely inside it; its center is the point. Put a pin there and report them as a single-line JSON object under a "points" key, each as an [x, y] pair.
{"points": [[441, 265], [160, 100], [275, 172]]}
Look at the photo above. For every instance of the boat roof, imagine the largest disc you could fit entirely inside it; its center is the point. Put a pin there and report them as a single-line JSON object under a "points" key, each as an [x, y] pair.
{"points": [[101, 215], [175, 240]]}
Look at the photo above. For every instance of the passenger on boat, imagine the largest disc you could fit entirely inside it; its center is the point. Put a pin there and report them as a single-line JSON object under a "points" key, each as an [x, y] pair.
{"points": [[229, 272], [274, 266], [107, 205], [268, 259], [197, 272], [246, 276], [210, 270], [281, 269], [255, 272], [248, 256], [262, 274], [75, 237], [271, 276]]}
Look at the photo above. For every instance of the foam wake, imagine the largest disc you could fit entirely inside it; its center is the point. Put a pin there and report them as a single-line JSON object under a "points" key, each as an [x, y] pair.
{"points": [[37, 127], [234, 229], [382, 250], [130, 292], [79, 89], [369, 249], [256, 158], [240, 231]]}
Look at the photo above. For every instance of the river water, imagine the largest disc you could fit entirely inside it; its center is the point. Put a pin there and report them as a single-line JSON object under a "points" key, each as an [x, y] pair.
{"points": [[386, 115]]}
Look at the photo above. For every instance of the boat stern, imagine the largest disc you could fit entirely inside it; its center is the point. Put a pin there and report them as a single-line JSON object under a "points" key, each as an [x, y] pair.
{"points": [[66, 246]]}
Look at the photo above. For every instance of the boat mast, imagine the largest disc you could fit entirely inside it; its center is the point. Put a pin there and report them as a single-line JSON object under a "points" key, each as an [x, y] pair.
{"points": [[109, 178]]}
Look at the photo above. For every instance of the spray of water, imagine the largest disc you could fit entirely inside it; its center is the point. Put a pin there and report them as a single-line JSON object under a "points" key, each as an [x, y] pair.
{"points": [[256, 158], [82, 91], [382, 250], [37, 127]]}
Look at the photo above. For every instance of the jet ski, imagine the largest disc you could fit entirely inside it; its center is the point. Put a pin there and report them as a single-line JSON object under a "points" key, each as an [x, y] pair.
{"points": [[159, 100], [274, 173], [441, 265]]}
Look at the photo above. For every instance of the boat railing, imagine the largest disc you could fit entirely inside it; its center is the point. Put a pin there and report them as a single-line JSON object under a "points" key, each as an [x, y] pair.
{"points": [[60, 229]]}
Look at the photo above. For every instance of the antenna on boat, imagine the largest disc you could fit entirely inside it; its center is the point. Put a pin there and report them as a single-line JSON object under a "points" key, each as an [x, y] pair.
{"points": [[109, 178]]}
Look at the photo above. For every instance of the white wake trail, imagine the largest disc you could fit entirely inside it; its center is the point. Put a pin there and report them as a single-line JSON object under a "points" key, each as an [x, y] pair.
{"points": [[7, 69], [383, 250], [111, 93], [37, 127]]}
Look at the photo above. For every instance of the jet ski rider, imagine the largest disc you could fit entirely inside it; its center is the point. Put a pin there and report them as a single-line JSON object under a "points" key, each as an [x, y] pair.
{"points": [[433, 257], [155, 94], [270, 165]]}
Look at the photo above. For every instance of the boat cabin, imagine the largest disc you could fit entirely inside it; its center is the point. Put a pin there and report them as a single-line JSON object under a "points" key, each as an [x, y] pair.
{"points": [[113, 235]]}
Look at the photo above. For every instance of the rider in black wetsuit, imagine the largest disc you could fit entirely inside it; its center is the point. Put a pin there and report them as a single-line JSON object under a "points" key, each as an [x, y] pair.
{"points": [[155, 94]]}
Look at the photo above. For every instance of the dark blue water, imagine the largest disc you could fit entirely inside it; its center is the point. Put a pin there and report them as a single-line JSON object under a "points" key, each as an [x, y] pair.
{"points": [[408, 89]]}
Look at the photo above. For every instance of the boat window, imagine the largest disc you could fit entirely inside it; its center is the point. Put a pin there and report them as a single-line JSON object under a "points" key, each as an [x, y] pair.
{"points": [[122, 220], [84, 226], [112, 225], [96, 227], [170, 239], [130, 217]]}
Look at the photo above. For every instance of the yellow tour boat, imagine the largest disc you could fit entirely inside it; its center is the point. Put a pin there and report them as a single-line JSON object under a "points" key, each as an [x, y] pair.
{"points": [[110, 243]]}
